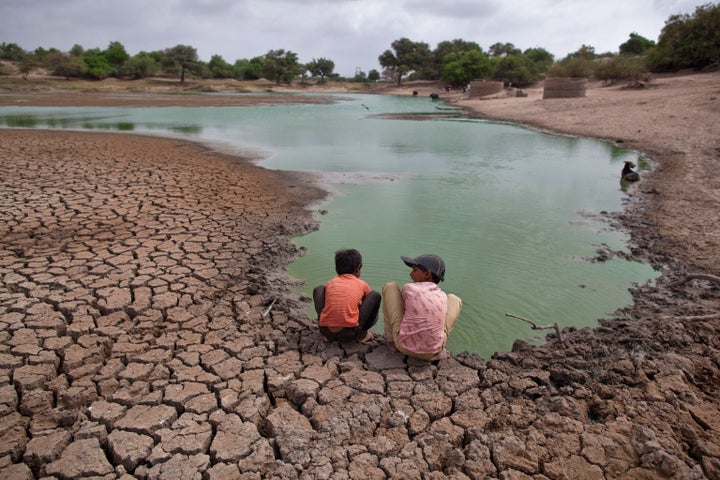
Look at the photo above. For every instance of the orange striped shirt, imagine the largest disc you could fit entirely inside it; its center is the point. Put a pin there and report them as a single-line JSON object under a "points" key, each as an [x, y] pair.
{"points": [[343, 295]]}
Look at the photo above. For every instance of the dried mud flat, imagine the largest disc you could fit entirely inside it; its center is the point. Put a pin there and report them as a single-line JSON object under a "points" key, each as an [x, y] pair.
{"points": [[147, 330]]}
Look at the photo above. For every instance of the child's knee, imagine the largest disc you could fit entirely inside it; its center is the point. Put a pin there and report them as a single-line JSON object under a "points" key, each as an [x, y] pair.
{"points": [[390, 287], [373, 295]]}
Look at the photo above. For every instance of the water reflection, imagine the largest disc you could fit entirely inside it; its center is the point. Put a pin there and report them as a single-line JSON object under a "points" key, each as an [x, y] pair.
{"points": [[93, 123], [20, 121], [187, 129]]}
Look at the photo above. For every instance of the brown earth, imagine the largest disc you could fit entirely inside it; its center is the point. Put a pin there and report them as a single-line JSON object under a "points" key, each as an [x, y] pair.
{"points": [[147, 329]]}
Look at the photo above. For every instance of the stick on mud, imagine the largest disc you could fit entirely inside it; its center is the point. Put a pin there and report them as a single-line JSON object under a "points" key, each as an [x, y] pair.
{"points": [[695, 276], [535, 326], [265, 313]]}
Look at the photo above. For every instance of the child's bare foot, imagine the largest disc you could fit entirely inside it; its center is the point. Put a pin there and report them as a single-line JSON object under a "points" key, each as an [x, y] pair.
{"points": [[442, 355], [367, 336]]}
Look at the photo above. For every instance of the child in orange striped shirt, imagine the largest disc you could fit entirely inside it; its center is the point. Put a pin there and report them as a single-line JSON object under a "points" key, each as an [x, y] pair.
{"points": [[346, 306]]}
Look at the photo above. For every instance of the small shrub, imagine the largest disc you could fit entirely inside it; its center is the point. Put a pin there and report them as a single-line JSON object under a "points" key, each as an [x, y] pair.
{"points": [[575, 67], [624, 67]]}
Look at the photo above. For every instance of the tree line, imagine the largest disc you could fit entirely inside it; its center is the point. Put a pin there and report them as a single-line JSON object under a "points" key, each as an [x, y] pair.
{"points": [[686, 41], [179, 61]]}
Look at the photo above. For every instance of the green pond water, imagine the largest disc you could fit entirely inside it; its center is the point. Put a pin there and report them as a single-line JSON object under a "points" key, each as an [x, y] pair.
{"points": [[514, 212]]}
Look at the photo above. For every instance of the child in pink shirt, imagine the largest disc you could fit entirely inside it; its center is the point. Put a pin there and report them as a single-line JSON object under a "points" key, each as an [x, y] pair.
{"points": [[345, 305], [419, 319]]}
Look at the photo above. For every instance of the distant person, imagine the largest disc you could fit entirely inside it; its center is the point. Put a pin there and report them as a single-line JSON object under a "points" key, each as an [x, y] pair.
{"points": [[628, 174], [346, 307], [419, 319]]}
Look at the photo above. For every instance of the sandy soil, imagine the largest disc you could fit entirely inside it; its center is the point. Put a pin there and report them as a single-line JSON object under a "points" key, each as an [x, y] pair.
{"points": [[133, 266]]}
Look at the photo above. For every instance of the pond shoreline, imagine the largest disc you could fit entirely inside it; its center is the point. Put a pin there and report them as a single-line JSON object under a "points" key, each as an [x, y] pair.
{"points": [[211, 342]]}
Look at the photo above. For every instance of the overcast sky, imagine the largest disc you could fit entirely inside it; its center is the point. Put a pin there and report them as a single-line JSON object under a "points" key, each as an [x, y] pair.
{"points": [[352, 33]]}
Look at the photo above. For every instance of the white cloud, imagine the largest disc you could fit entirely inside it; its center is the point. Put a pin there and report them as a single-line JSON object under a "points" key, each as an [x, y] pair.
{"points": [[352, 33]]}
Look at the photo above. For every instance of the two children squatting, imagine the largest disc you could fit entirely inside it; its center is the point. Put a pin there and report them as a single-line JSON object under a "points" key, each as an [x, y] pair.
{"points": [[418, 318]]}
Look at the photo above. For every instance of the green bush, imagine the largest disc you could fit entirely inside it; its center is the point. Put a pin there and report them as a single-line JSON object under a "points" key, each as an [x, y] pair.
{"points": [[689, 41], [514, 70], [575, 67], [139, 66], [98, 66], [64, 65], [624, 67]]}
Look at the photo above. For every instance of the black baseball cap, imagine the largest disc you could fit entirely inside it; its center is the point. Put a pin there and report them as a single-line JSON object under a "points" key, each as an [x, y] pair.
{"points": [[429, 262]]}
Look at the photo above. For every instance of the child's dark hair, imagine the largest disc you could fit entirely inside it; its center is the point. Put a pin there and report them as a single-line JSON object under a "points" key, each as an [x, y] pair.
{"points": [[435, 278], [346, 261]]}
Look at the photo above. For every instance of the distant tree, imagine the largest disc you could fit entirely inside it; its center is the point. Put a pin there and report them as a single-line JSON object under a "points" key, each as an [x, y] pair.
{"points": [[77, 50], [577, 64], [142, 65], [576, 67], [703, 42], [503, 49], [249, 69], [360, 76], [65, 65], [455, 46], [11, 51], [116, 56], [373, 75], [515, 70], [200, 69], [539, 60], [41, 52], [322, 67], [447, 47], [621, 67], [281, 66], [689, 41], [219, 68], [585, 52], [98, 66], [182, 58], [157, 55], [459, 68], [406, 56], [29, 63], [636, 45]]}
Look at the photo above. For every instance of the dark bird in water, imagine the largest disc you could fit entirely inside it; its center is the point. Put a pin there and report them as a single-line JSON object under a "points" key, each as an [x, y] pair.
{"points": [[366, 107], [628, 174]]}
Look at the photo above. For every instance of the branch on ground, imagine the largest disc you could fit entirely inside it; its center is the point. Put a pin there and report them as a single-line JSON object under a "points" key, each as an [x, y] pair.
{"points": [[266, 312], [700, 318], [695, 276], [535, 326]]}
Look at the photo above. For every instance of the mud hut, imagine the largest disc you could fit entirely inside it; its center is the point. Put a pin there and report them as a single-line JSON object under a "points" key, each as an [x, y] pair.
{"points": [[481, 88], [564, 87]]}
